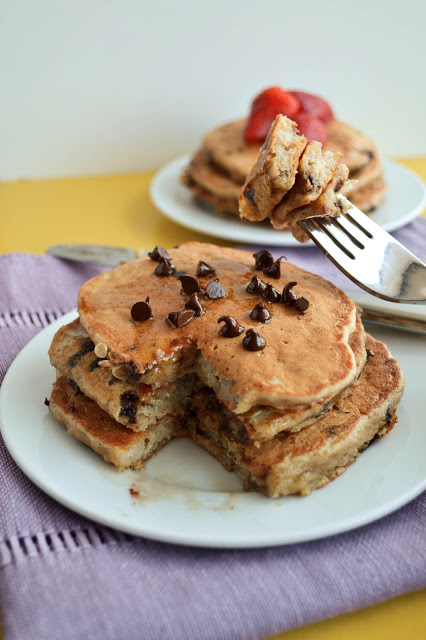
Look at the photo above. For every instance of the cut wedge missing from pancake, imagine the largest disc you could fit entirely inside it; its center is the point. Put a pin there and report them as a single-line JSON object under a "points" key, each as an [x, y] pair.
{"points": [[275, 170], [307, 460], [116, 444], [282, 375]]}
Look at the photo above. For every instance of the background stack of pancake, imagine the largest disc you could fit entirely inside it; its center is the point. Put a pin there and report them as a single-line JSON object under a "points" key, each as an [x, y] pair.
{"points": [[220, 167], [263, 364]]}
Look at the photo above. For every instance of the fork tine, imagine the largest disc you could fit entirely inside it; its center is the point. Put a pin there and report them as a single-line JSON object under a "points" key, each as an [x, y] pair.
{"points": [[340, 256], [355, 235], [363, 222]]}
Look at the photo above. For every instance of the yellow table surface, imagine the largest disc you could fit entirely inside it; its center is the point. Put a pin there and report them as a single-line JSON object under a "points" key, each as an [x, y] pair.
{"points": [[116, 210]]}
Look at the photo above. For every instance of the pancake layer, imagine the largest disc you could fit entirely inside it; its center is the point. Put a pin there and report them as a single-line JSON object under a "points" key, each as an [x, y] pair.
{"points": [[304, 461], [284, 374]]}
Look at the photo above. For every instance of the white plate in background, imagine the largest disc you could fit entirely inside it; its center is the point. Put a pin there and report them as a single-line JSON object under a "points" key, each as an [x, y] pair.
{"points": [[404, 201], [184, 496]]}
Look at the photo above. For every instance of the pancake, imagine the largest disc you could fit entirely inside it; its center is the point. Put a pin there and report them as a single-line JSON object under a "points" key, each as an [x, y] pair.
{"points": [[327, 204], [263, 423], [222, 206], [274, 172], [228, 149], [369, 198], [357, 148], [137, 406], [301, 462], [211, 179], [313, 175], [366, 176], [281, 375], [115, 443]]}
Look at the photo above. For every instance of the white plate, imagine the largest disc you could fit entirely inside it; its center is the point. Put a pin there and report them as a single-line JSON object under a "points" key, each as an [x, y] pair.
{"points": [[404, 201], [185, 496]]}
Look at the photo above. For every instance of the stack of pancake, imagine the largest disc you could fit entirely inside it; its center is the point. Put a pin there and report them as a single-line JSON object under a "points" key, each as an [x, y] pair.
{"points": [[220, 167], [263, 364]]}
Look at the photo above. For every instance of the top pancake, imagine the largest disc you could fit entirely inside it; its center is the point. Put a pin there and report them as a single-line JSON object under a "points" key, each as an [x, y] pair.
{"points": [[306, 358]]}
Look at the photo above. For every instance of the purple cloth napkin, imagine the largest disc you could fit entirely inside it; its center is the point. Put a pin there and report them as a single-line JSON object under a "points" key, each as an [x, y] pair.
{"points": [[63, 576]]}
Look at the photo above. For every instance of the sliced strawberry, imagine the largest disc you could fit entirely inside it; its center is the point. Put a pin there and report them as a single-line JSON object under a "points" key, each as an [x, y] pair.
{"points": [[312, 128], [314, 105], [265, 107]]}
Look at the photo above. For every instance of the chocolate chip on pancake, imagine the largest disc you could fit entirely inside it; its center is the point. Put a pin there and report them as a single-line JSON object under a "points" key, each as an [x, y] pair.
{"points": [[263, 259], [214, 290], [274, 270], [271, 294], [260, 313], [179, 319], [194, 304], [301, 304], [289, 297], [253, 341], [231, 328], [256, 286], [141, 311], [204, 270], [158, 253], [189, 284], [165, 268]]}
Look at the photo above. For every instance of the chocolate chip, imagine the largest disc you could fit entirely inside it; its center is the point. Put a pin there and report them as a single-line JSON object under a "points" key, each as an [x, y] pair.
{"points": [[189, 284], [214, 290], [141, 311], [263, 259], [249, 195], [204, 270], [289, 297], [253, 341], [164, 268], [158, 253], [46, 402], [260, 313], [131, 372], [271, 294], [231, 328], [74, 385], [178, 319], [256, 286], [301, 304], [194, 304], [274, 270], [94, 364], [128, 409], [85, 348]]}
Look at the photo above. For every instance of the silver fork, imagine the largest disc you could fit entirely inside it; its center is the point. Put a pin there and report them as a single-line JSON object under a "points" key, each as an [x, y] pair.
{"points": [[369, 256]]}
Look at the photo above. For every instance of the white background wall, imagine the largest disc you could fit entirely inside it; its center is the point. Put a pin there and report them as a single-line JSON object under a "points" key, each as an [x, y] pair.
{"points": [[108, 86]]}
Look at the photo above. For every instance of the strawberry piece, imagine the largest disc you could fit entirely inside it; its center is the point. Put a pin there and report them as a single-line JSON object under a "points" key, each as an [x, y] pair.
{"points": [[312, 128], [265, 107], [314, 105]]}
